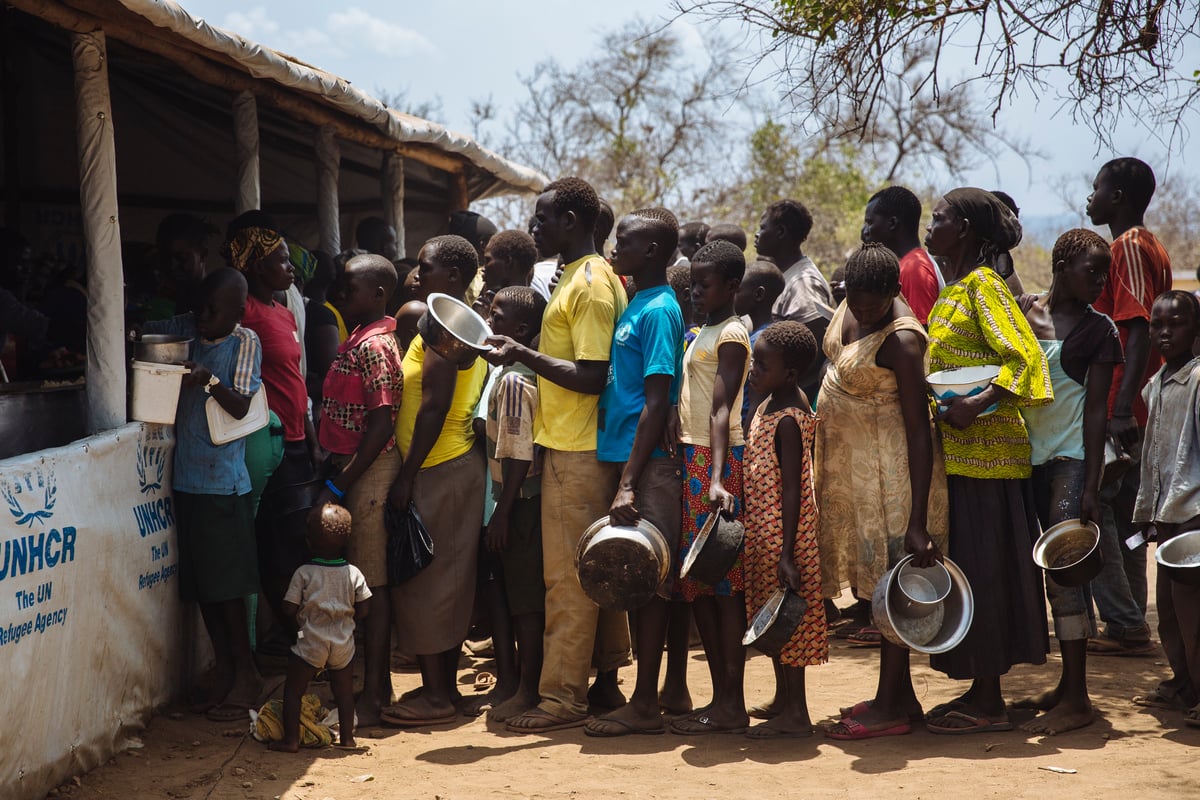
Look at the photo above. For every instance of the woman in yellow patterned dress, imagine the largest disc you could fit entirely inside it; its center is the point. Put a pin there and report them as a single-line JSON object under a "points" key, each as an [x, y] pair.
{"points": [[993, 525], [781, 516], [875, 453]]}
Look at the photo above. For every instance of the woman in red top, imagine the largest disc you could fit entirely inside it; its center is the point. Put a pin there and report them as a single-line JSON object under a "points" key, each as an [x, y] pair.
{"points": [[262, 255]]}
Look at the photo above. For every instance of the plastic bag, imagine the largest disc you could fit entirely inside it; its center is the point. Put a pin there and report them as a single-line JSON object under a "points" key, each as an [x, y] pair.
{"points": [[409, 545]]}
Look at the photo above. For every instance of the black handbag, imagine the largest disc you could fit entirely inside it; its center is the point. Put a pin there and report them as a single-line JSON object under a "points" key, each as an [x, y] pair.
{"points": [[409, 545]]}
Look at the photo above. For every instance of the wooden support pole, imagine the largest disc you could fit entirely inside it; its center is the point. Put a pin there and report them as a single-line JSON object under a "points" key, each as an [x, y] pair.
{"points": [[245, 138], [327, 163], [392, 188], [102, 233]]}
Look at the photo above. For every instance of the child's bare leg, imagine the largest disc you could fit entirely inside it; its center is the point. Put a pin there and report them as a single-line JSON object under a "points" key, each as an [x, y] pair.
{"points": [[895, 702], [299, 674], [641, 713], [377, 674], [223, 670], [793, 719], [704, 611], [732, 620], [508, 671], [247, 684], [674, 698], [341, 681], [1071, 707], [773, 707], [530, 629]]}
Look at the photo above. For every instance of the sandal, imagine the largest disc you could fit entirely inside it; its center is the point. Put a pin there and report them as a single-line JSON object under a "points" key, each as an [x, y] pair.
{"points": [[868, 636], [1157, 698], [976, 723]]}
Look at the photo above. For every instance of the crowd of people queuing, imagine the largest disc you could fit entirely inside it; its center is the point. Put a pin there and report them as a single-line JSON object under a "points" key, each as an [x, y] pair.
{"points": [[669, 381]]}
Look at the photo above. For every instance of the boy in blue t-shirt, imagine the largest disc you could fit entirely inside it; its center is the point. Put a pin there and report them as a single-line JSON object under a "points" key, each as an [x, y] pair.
{"points": [[643, 386], [218, 564]]}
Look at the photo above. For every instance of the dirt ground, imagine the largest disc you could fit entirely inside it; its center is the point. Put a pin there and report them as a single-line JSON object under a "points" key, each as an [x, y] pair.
{"points": [[1128, 752]]}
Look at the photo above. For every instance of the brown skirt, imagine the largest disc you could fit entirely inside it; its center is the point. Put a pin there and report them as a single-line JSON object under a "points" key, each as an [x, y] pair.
{"points": [[434, 608]]}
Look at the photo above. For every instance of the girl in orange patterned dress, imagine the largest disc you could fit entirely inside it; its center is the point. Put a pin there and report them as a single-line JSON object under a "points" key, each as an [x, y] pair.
{"points": [[781, 515]]}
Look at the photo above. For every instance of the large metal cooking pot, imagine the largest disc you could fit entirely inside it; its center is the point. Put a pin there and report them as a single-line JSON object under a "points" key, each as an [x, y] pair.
{"points": [[160, 348], [1069, 552], [714, 550], [622, 567], [773, 625], [1179, 557], [452, 329], [938, 632]]}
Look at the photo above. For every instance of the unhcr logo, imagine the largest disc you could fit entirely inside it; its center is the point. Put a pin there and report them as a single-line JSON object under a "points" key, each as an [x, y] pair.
{"points": [[151, 464], [31, 500]]}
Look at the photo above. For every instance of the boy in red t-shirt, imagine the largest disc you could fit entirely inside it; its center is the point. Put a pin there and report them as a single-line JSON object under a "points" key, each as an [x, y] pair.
{"points": [[893, 219], [1141, 271]]}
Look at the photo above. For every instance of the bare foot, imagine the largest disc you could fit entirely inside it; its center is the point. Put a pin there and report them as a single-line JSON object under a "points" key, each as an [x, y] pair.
{"points": [[625, 720], [1060, 719], [1042, 702], [604, 693], [783, 726], [475, 705], [675, 700], [284, 746], [768, 710], [514, 706], [860, 709], [419, 709]]}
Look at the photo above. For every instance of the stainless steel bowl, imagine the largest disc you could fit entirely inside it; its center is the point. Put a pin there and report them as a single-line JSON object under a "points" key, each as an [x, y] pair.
{"points": [[160, 348], [773, 625], [621, 567], [714, 550], [938, 632], [1179, 556], [452, 329], [1116, 462], [1069, 552], [921, 591]]}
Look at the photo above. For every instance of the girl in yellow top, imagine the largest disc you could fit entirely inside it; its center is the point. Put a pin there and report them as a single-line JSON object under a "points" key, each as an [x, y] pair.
{"points": [[993, 524], [443, 477], [710, 431]]}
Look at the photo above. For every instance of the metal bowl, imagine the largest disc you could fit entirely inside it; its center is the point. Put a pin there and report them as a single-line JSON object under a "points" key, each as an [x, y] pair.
{"points": [[1116, 462], [1179, 557], [773, 625], [1069, 552], [714, 550], [452, 328], [920, 591], [621, 567], [937, 632], [160, 348], [963, 382]]}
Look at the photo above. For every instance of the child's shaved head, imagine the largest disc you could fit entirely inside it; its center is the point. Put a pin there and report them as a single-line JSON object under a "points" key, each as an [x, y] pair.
{"points": [[663, 224], [377, 269]]}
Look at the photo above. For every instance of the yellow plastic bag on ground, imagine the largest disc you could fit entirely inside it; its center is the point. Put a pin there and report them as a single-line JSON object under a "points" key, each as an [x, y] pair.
{"points": [[267, 724]]}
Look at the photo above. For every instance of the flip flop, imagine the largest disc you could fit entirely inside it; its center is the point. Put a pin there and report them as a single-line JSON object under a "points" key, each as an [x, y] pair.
{"points": [[868, 636], [484, 681], [398, 715], [595, 727], [229, 712], [700, 726], [547, 722], [978, 724], [863, 706], [942, 709], [352, 748], [1191, 717], [1105, 646], [1158, 699], [762, 712], [767, 732], [856, 730]]}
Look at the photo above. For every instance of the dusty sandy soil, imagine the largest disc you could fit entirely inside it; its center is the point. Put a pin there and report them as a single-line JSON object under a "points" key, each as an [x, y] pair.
{"points": [[1129, 751]]}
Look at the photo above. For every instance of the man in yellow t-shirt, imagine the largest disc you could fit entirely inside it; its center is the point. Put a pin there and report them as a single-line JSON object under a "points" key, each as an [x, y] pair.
{"points": [[571, 363]]}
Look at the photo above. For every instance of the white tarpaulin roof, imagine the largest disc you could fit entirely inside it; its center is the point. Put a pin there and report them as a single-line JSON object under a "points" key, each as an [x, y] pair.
{"points": [[265, 63]]}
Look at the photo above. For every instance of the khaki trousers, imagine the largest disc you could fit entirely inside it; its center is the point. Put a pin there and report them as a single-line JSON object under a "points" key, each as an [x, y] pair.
{"points": [[576, 491]]}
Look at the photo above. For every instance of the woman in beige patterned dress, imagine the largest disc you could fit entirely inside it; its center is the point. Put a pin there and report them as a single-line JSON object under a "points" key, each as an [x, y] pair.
{"points": [[875, 452]]}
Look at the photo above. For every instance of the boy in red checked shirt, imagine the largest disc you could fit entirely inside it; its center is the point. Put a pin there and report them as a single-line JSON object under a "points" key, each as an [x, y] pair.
{"points": [[1141, 271], [361, 397]]}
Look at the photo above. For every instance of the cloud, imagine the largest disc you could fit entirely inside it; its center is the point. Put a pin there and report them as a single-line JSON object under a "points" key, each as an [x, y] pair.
{"points": [[385, 38], [344, 33]]}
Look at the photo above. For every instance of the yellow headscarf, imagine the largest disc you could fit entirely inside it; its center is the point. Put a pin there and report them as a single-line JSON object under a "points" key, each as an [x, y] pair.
{"points": [[251, 245]]}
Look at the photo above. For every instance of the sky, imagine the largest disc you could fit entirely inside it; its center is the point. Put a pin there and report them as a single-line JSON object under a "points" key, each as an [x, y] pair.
{"points": [[469, 49]]}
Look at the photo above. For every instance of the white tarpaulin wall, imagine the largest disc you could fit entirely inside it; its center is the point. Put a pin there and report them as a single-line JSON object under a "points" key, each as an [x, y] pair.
{"points": [[89, 606]]}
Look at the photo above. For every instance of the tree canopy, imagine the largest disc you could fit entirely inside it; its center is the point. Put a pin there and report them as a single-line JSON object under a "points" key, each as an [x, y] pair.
{"points": [[1102, 59]]}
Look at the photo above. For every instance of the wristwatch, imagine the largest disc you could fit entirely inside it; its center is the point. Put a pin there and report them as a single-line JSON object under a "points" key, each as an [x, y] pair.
{"points": [[212, 381]]}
